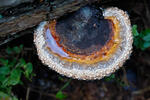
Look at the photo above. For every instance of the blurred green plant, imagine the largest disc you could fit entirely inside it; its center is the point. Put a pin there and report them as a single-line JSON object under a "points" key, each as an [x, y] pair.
{"points": [[12, 69], [60, 95], [109, 78], [113, 78], [1, 16], [142, 39]]}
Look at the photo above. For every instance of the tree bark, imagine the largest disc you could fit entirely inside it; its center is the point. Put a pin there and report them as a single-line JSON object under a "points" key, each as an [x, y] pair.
{"points": [[14, 24]]}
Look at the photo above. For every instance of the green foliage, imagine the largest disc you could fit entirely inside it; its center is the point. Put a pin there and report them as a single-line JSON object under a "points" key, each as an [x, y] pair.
{"points": [[1, 16], [141, 40], [60, 95], [4, 96], [109, 78], [16, 49], [12, 69], [112, 77], [61, 78]]}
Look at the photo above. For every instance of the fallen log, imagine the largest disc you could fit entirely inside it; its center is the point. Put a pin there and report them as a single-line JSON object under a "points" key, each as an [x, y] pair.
{"points": [[14, 24]]}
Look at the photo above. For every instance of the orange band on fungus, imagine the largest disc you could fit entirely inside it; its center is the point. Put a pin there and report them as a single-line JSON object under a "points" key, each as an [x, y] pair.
{"points": [[102, 55], [87, 44]]}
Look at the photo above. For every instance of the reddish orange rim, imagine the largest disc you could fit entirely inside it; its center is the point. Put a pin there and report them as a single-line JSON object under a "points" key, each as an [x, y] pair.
{"points": [[102, 55]]}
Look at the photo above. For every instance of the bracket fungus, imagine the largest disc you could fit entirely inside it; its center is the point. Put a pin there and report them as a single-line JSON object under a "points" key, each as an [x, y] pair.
{"points": [[86, 44]]}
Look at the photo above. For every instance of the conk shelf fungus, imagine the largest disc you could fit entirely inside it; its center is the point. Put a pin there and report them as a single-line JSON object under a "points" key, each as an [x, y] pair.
{"points": [[87, 44]]}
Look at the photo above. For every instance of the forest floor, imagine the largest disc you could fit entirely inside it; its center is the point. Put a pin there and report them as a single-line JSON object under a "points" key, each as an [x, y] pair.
{"points": [[135, 73]]}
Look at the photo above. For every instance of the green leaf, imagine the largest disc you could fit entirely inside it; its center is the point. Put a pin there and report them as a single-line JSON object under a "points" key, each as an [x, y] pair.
{"points": [[3, 95], [28, 70], [1, 16], [140, 45], [14, 98], [16, 49], [134, 30], [15, 76], [4, 70], [6, 90], [109, 78], [9, 50], [146, 45], [60, 95], [147, 37], [21, 63], [4, 61], [21, 46], [2, 78], [136, 42], [146, 32], [60, 78], [5, 82], [12, 63]]}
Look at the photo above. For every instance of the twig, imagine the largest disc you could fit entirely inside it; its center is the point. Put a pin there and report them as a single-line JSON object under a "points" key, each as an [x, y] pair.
{"points": [[141, 91], [66, 85], [125, 77], [42, 93], [27, 95], [12, 38]]}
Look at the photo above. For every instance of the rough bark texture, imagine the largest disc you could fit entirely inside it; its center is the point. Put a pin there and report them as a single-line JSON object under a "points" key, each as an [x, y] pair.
{"points": [[14, 24]]}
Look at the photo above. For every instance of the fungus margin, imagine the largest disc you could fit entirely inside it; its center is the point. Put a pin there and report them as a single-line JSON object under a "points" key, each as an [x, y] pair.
{"points": [[102, 68]]}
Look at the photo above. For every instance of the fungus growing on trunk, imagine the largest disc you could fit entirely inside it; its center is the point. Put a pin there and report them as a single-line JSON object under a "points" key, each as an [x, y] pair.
{"points": [[85, 44]]}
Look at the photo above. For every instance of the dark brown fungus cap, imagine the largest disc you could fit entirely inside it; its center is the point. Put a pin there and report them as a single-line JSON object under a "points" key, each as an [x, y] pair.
{"points": [[83, 44]]}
